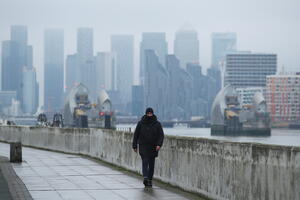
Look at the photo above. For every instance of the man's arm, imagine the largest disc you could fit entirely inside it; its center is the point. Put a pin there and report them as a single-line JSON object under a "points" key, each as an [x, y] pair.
{"points": [[161, 136], [136, 136]]}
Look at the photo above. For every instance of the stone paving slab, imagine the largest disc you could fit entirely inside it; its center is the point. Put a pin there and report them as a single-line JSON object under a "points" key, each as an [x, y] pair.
{"points": [[57, 176]]}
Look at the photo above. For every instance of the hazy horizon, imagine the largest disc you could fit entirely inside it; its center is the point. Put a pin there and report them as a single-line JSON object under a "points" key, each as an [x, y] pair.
{"points": [[268, 26]]}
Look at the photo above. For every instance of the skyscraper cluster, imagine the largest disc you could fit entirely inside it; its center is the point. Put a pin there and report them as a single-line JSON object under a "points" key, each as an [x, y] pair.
{"points": [[174, 84], [112, 70], [18, 78]]}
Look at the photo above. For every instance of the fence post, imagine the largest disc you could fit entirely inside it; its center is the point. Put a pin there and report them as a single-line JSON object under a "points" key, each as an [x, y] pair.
{"points": [[15, 152]]}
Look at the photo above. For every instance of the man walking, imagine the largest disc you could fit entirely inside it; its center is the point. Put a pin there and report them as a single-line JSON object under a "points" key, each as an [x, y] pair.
{"points": [[148, 138]]}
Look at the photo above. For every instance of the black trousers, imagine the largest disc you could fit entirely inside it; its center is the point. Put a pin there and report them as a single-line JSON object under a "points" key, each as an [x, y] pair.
{"points": [[148, 167]]}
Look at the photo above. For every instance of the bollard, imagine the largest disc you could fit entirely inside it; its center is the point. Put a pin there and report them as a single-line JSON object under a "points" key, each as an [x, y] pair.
{"points": [[16, 152]]}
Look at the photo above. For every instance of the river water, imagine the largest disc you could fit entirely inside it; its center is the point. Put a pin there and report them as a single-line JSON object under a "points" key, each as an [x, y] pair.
{"points": [[285, 137]]}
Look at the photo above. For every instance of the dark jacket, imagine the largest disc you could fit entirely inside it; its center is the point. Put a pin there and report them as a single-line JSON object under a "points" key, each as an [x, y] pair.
{"points": [[148, 134]]}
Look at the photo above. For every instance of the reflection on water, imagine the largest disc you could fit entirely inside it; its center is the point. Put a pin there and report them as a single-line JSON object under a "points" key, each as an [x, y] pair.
{"points": [[278, 136]]}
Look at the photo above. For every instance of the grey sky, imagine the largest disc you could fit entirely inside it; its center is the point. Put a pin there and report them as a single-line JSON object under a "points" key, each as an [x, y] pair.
{"points": [[261, 25]]}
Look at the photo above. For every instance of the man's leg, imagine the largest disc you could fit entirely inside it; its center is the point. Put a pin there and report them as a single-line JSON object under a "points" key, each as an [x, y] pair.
{"points": [[145, 169], [151, 169]]}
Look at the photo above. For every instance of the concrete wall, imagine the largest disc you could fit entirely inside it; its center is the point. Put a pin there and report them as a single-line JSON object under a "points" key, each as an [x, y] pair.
{"points": [[217, 169]]}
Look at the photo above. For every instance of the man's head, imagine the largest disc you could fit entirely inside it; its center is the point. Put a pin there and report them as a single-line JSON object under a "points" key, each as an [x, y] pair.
{"points": [[149, 112]]}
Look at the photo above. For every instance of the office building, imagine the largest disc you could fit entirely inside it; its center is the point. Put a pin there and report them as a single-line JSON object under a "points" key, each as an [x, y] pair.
{"points": [[157, 42], [180, 89], [137, 100], [85, 52], [283, 97], [53, 69], [122, 47], [6, 98], [186, 47], [155, 84], [222, 44], [105, 71], [11, 67], [16, 55], [29, 91], [246, 69], [72, 72]]}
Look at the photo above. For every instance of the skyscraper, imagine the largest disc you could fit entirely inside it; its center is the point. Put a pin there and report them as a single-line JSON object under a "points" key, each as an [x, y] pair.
{"points": [[155, 84], [246, 69], [105, 71], [72, 72], [53, 69], [180, 87], [29, 90], [85, 47], [18, 33], [11, 67], [137, 100], [157, 42], [85, 52], [16, 55], [186, 46], [122, 47], [195, 71], [222, 44]]}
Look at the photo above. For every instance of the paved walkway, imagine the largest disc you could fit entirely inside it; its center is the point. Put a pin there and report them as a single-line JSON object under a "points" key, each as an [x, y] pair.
{"points": [[56, 176], [11, 186], [4, 191]]}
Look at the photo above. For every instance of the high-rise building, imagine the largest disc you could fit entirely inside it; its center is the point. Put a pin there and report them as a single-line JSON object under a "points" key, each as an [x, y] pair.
{"points": [[53, 69], [16, 55], [6, 98], [157, 42], [122, 47], [29, 56], [200, 97], [85, 47], [105, 71], [137, 100], [18, 33], [195, 71], [186, 47], [222, 44], [246, 69], [29, 90], [282, 96], [11, 67], [85, 52], [72, 72], [155, 84], [180, 89]]}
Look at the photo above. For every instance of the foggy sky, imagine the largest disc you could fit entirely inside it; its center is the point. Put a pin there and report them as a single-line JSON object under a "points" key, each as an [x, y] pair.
{"points": [[271, 26]]}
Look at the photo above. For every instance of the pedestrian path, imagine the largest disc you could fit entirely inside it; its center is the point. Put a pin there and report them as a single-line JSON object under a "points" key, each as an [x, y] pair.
{"points": [[4, 191], [11, 186], [57, 176]]}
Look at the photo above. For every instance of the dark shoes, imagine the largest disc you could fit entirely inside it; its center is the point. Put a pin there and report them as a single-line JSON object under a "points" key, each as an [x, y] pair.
{"points": [[147, 182]]}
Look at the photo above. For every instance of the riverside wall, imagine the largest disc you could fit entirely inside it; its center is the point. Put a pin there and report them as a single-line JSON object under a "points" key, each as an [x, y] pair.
{"points": [[213, 168]]}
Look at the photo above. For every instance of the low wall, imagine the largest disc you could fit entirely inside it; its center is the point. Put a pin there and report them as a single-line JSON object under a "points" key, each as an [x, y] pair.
{"points": [[216, 169]]}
